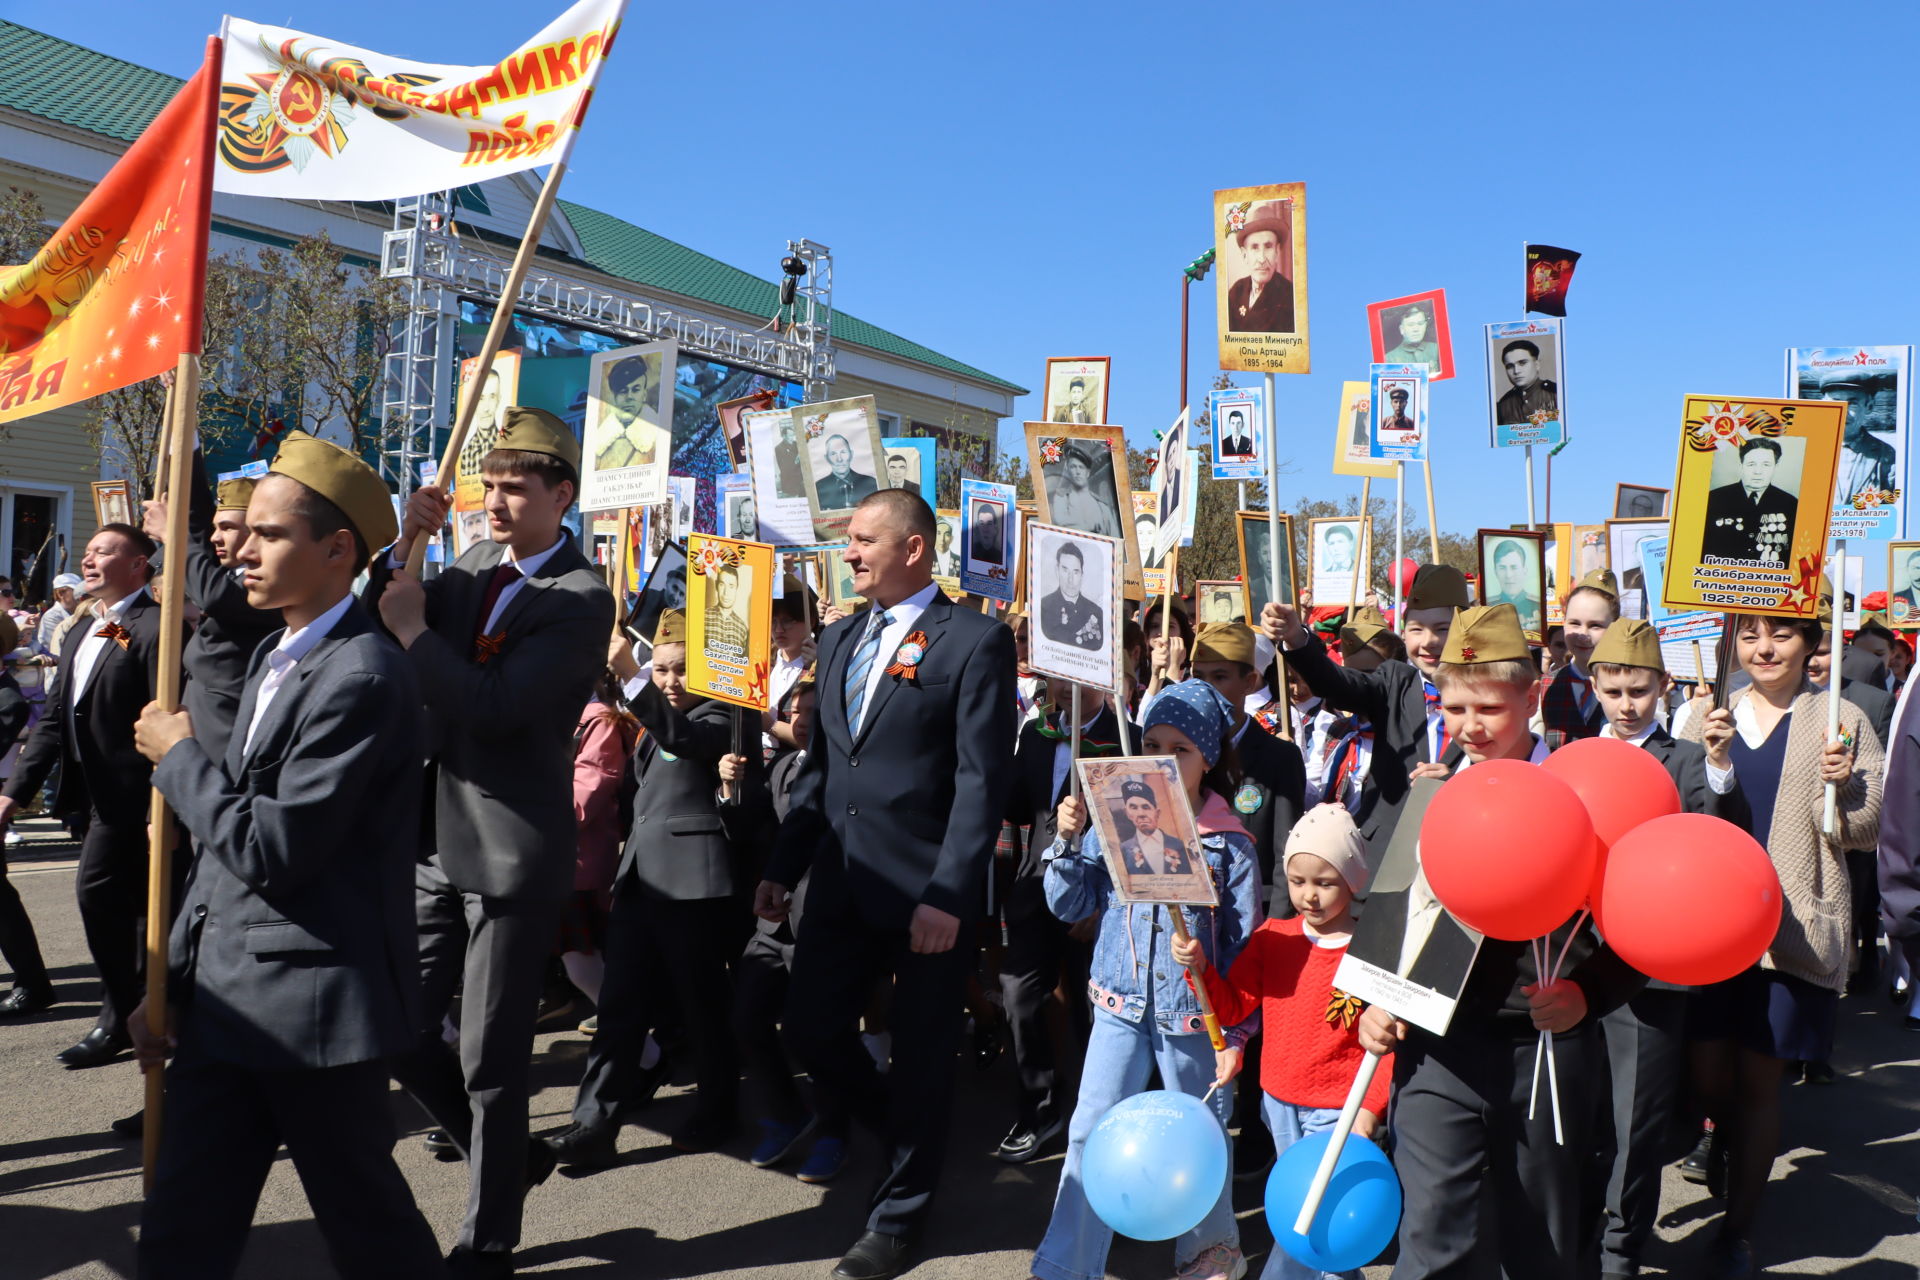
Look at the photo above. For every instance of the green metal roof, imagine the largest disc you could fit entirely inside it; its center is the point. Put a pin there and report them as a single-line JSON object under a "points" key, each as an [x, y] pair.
{"points": [[85, 89]]}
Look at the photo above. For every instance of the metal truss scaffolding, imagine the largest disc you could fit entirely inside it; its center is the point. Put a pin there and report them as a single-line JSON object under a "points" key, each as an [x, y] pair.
{"points": [[440, 268]]}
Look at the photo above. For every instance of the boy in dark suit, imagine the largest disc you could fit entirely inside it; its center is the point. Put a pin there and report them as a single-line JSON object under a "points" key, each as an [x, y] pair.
{"points": [[1645, 1036], [1568, 706], [286, 998], [506, 644], [679, 910]]}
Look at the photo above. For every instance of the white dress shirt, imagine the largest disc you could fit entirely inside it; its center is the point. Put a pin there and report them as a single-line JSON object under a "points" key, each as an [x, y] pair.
{"points": [[786, 674], [902, 619], [293, 646], [93, 646]]}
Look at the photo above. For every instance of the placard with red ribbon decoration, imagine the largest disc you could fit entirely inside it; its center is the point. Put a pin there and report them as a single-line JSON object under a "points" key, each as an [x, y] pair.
{"points": [[729, 619]]}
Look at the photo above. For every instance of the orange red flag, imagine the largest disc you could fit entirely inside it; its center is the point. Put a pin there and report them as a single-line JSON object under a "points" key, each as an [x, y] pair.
{"points": [[116, 295]]}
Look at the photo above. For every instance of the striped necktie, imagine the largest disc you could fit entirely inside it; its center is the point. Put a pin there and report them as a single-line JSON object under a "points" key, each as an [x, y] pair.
{"points": [[856, 690]]}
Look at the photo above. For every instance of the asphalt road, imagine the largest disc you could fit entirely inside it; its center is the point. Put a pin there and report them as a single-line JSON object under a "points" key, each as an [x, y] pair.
{"points": [[1842, 1203]]}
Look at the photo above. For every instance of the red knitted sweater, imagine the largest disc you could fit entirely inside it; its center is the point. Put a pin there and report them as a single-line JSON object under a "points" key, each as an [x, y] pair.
{"points": [[1309, 1060]]}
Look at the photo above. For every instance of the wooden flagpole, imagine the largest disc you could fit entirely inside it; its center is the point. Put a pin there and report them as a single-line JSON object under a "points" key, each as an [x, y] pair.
{"points": [[1353, 586], [178, 433], [496, 335]]}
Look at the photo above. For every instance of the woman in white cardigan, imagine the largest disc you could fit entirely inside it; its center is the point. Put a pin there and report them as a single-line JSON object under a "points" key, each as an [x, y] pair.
{"points": [[1745, 1030]]}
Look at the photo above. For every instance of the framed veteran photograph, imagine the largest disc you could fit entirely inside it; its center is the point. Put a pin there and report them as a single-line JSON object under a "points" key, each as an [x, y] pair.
{"points": [[840, 590], [733, 424], [1413, 330], [1526, 398], [1513, 570], [946, 549], [1626, 556], [779, 487], [1172, 489], [1073, 599], [1078, 480], [113, 503], [629, 426], [733, 500], [1076, 390], [1260, 274], [1220, 600], [1876, 385], [729, 619], [1147, 833], [840, 460], [989, 526], [1903, 584], [1399, 396], [1638, 502], [1146, 534], [1589, 552], [1255, 570], [1560, 575], [666, 589], [1353, 434], [499, 391], [1751, 503], [1239, 417], [681, 492], [910, 465], [1338, 548]]}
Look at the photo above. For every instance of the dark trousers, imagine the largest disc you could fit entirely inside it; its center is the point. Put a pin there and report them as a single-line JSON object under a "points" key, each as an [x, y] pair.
{"points": [[111, 886], [1464, 1150], [1863, 871], [225, 1124], [494, 952], [1038, 958], [760, 982], [836, 963], [1645, 1054], [664, 955], [19, 945]]}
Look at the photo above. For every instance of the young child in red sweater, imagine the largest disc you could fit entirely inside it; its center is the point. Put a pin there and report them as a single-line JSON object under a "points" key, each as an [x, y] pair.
{"points": [[1286, 976]]}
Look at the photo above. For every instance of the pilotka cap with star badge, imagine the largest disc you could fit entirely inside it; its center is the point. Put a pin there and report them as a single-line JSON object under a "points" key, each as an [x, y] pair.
{"points": [[342, 479], [1437, 586], [672, 628], [1224, 642], [1367, 625], [537, 431], [1629, 642], [1601, 580], [235, 494], [1485, 633]]}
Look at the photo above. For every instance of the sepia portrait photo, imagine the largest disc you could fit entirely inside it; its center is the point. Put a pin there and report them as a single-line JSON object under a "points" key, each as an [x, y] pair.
{"points": [[1076, 390], [497, 392], [1147, 832], [1220, 601], [1260, 277], [1080, 483], [1903, 584], [629, 427]]}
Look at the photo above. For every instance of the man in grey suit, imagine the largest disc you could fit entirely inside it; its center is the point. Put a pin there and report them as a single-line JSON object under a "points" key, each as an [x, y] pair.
{"points": [[285, 998], [506, 644]]}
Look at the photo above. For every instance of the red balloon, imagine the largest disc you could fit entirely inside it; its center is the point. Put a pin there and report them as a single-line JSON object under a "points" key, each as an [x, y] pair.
{"points": [[1508, 849], [1401, 574], [1659, 875], [1622, 786]]}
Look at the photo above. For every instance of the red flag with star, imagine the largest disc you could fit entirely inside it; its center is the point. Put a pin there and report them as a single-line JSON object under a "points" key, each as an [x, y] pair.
{"points": [[115, 296]]}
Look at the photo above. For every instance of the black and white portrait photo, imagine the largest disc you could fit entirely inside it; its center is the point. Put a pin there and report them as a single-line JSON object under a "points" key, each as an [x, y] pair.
{"points": [[842, 459], [1638, 502], [1338, 550], [946, 544], [1073, 599], [1081, 492], [1255, 563], [1524, 383], [1754, 501]]}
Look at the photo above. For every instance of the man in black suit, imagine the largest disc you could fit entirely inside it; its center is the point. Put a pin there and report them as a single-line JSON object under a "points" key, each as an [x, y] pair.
{"points": [[1066, 616], [895, 814], [1752, 518], [788, 482], [842, 487], [506, 644], [286, 998], [1262, 300], [105, 676], [1234, 440], [897, 464], [1398, 698], [19, 945]]}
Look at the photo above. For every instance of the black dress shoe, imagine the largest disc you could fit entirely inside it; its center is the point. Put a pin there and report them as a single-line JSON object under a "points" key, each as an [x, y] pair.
{"points": [[441, 1144], [1694, 1168], [478, 1264], [874, 1256], [988, 1042], [21, 1001], [578, 1145], [540, 1162], [97, 1048], [133, 1127], [1027, 1139]]}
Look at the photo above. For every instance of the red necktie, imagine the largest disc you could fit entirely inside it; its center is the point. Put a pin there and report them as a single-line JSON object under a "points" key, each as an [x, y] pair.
{"points": [[1433, 708], [507, 572]]}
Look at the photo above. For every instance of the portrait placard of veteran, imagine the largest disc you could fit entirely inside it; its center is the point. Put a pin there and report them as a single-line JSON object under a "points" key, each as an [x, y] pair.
{"points": [[1512, 565], [1076, 390], [1413, 330], [841, 458], [1876, 385], [1638, 502], [629, 426], [1080, 483], [1073, 599], [1260, 257], [1220, 600], [1147, 831], [1339, 547], [729, 619], [988, 526], [779, 489], [1239, 433], [910, 465], [498, 392], [1256, 571], [1353, 434], [1903, 584], [1524, 385]]}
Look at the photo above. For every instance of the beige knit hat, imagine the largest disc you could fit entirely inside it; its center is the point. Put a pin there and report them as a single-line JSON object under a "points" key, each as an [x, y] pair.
{"points": [[1327, 832]]}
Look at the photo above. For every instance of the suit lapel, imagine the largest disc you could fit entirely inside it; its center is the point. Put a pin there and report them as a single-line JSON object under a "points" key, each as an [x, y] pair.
{"points": [[486, 559], [932, 621], [833, 698], [560, 562]]}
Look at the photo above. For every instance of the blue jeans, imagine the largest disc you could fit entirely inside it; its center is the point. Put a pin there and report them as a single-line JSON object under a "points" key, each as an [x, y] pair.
{"points": [[1289, 1124], [1120, 1056]]}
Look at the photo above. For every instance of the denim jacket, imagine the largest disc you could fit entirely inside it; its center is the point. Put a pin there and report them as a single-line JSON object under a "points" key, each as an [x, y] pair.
{"points": [[1133, 954]]}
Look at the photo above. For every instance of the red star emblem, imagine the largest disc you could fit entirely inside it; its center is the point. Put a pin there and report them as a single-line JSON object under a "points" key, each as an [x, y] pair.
{"points": [[1466, 651]]}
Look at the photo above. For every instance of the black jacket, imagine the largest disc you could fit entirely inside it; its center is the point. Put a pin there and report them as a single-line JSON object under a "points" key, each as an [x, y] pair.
{"points": [[678, 847], [230, 629], [1393, 697]]}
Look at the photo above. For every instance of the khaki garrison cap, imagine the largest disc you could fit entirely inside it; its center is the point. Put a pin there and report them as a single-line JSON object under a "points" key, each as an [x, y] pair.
{"points": [[1224, 642], [235, 494], [1629, 642], [345, 481], [1367, 625], [1437, 586], [537, 431], [1601, 580], [672, 628], [1485, 633]]}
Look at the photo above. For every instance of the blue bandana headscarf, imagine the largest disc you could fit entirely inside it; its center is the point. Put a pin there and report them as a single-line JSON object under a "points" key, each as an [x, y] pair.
{"points": [[1196, 709]]}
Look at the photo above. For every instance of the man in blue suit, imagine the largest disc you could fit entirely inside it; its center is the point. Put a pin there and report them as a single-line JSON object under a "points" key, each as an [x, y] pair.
{"points": [[895, 814]]}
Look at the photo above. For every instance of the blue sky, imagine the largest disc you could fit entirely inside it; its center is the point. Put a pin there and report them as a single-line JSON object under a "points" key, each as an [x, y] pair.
{"points": [[1005, 182]]}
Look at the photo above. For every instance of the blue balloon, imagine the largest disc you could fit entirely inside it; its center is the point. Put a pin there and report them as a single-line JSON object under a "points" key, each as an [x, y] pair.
{"points": [[1155, 1164], [1358, 1215]]}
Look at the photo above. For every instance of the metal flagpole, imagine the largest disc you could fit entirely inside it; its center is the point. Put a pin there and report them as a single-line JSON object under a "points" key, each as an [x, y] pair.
{"points": [[1273, 549], [1530, 523], [1835, 622], [1399, 532]]}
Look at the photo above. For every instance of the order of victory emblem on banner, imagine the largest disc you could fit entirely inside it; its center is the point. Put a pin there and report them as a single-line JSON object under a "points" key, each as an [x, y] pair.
{"points": [[302, 117]]}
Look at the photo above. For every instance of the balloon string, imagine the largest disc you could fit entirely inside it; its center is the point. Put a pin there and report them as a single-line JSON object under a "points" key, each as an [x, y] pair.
{"points": [[1567, 946]]}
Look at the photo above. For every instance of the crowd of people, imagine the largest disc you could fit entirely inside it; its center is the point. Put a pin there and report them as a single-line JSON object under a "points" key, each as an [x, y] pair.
{"points": [[410, 808]]}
